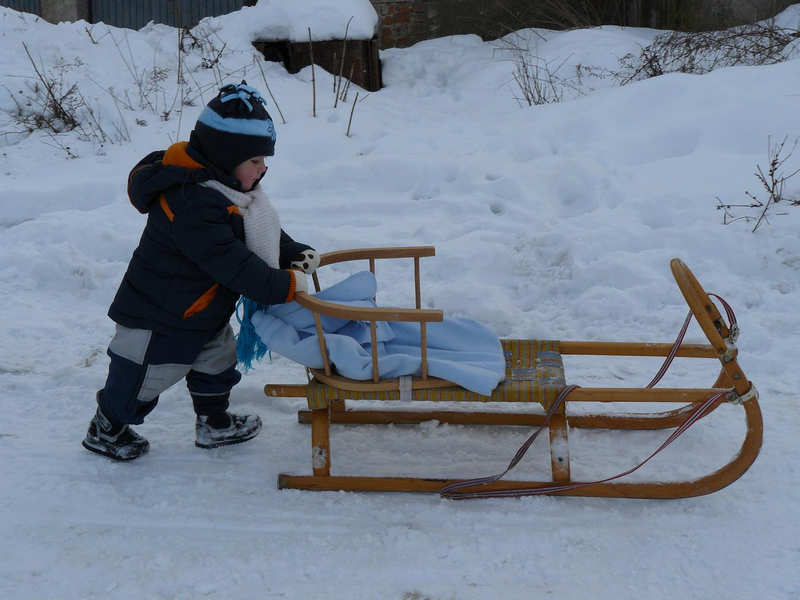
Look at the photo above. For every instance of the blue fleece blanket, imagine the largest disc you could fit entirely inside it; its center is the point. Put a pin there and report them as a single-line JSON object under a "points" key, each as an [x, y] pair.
{"points": [[459, 350]]}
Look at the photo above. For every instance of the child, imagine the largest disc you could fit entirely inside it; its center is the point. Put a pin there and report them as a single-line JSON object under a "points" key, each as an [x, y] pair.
{"points": [[173, 307]]}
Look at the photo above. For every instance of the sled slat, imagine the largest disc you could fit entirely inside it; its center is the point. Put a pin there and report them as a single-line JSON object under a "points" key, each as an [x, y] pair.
{"points": [[636, 349], [285, 390]]}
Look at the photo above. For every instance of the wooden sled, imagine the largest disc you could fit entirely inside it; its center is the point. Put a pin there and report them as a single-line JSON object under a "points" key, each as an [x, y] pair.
{"points": [[534, 373]]}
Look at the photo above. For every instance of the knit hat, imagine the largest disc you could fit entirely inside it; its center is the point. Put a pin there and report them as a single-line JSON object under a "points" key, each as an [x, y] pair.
{"points": [[233, 127]]}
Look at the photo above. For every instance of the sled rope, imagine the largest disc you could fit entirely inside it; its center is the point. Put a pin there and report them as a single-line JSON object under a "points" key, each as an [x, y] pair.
{"points": [[728, 310], [454, 491], [673, 351], [451, 492]]}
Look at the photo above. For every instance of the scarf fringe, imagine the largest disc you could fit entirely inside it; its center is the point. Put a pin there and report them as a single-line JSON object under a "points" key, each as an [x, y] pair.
{"points": [[249, 346]]}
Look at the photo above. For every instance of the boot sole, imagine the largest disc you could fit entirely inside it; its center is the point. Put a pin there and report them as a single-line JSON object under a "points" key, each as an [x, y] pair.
{"points": [[226, 442], [111, 455]]}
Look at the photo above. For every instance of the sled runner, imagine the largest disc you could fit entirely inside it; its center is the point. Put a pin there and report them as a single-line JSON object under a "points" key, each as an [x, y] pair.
{"points": [[534, 374]]}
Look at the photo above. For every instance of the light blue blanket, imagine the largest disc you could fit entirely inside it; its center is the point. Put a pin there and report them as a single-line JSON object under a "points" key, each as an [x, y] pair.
{"points": [[459, 350]]}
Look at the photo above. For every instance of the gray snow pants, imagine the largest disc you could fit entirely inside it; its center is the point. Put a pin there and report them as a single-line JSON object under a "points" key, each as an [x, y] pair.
{"points": [[145, 363]]}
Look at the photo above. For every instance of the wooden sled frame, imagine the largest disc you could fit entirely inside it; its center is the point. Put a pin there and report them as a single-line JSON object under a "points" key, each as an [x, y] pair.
{"points": [[327, 394]]}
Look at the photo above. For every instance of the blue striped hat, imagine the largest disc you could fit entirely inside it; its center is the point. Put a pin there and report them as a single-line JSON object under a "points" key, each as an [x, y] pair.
{"points": [[233, 127]]}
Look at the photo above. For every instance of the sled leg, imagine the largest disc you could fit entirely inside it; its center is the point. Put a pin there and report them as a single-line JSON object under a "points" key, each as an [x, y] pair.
{"points": [[320, 443], [559, 447]]}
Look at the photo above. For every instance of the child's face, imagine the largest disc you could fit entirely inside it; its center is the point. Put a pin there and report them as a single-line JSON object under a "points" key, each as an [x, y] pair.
{"points": [[250, 171]]}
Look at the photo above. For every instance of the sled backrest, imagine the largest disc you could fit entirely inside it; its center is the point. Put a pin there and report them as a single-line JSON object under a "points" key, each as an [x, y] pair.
{"points": [[373, 315]]}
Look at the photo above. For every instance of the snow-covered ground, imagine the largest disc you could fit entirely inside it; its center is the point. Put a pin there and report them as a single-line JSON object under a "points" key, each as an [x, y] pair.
{"points": [[554, 221]]}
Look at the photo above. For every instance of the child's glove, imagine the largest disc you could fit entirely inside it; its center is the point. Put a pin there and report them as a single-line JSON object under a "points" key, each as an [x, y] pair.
{"points": [[307, 261]]}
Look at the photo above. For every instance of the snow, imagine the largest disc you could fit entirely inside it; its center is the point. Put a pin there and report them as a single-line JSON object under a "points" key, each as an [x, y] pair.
{"points": [[555, 221], [277, 20]]}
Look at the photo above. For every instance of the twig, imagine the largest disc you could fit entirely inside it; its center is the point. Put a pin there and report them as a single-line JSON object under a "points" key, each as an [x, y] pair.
{"points": [[216, 63], [773, 183], [198, 86], [180, 117], [352, 109], [102, 137], [181, 81], [180, 56], [63, 147], [110, 91], [313, 77], [347, 85], [333, 79], [131, 66], [124, 133], [341, 65], [264, 77]]}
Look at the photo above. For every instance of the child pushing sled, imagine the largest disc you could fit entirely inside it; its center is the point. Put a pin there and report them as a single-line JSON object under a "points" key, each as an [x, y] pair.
{"points": [[211, 236]]}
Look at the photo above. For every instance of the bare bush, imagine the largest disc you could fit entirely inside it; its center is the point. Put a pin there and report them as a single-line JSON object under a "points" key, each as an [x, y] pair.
{"points": [[211, 48], [537, 81], [759, 210], [702, 52], [50, 102]]}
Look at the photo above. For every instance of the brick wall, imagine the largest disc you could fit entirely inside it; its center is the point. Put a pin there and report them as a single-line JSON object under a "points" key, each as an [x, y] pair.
{"points": [[406, 22], [402, 22]]}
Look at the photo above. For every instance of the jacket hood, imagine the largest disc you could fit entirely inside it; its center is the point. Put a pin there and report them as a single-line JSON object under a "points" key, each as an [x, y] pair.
{"points": [[161, 170]]}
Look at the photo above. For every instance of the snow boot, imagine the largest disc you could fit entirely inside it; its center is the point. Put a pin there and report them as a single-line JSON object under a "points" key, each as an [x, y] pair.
{"points": [[116, 441], [225, 428]]}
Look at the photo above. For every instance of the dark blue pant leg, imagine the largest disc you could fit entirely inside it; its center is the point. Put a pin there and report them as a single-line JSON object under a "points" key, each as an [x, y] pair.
{"points": [[117, 399], [210, 392]]}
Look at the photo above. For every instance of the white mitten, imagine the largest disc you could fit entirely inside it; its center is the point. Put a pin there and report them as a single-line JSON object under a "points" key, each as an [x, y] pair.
{"points": [[300, 282], [307, 261]]}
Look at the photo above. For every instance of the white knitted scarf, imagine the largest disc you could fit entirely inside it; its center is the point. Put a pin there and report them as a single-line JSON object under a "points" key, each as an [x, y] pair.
{"points": [[262, 226]]}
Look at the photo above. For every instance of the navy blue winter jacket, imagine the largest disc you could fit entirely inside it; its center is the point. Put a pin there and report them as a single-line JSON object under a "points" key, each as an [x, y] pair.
{"points": [[192, 264]]}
